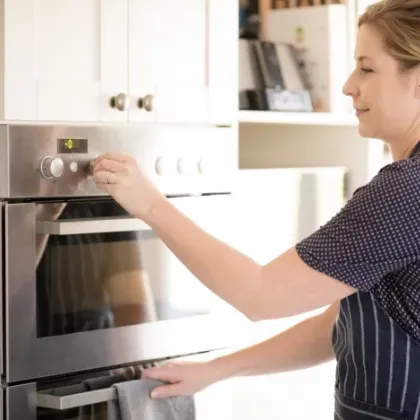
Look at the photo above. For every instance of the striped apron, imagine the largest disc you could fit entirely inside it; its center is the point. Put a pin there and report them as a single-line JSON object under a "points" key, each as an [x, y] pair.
{"points": [[378, 364]]}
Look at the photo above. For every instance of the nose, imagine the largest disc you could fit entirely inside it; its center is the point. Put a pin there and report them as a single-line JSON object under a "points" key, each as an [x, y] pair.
{"points": [[350, 87]]}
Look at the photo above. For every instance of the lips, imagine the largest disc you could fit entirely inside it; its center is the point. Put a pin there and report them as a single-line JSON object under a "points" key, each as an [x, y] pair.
{"points": [[361, 111]]}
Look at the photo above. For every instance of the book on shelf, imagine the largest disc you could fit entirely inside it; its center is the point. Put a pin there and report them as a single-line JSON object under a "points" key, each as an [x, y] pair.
{"points": [[278, 83]]}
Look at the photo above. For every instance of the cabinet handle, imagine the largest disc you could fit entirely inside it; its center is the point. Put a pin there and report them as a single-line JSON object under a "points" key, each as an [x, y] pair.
{"points": [[120, 102], [146, 103]]}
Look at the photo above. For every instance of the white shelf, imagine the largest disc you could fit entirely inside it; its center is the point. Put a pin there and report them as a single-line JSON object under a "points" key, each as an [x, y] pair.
{"points": [[297, 118]]}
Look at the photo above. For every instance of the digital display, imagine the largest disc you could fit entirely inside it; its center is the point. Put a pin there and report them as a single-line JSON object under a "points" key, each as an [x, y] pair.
{"points": [[72, 145]]}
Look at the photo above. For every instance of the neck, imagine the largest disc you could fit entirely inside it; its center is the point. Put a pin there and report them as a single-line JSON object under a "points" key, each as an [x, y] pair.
{"points": [[402, 151], [402, 146]]}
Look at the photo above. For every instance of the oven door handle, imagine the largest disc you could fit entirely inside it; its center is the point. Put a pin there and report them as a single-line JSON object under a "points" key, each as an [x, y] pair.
{"points": [[67, 402], [93, 225]]}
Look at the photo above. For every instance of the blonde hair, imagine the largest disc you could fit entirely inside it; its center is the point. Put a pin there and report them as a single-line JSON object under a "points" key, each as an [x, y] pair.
{"points": [[398, 22]]}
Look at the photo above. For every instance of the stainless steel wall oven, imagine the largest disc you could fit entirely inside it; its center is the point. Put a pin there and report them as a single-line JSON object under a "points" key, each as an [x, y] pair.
{"points": [[86, 288]]}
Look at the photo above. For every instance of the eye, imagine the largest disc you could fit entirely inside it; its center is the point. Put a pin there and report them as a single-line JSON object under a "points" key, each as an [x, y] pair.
{"points": [[365, 70]]}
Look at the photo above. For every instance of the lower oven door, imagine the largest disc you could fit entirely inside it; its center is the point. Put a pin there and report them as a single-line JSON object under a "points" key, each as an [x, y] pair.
{"points": [[91, 397], [89, 287]]}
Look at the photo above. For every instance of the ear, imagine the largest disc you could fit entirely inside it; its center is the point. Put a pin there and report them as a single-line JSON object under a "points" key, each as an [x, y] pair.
{"points": [[417, 91], [417, 80]]}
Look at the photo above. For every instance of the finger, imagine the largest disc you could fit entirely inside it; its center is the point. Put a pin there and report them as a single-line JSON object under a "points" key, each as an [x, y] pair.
{"points": [[162, 373], [152, 373], [106, 177], [109, 165], [165, 391], [119, 157]]}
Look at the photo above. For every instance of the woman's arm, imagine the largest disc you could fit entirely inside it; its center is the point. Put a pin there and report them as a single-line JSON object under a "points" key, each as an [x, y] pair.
{"points": [[284, 287], [304, 345]]}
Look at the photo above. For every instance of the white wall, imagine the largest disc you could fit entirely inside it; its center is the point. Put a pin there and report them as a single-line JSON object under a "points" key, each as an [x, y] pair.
{"points": [[264, 146]]}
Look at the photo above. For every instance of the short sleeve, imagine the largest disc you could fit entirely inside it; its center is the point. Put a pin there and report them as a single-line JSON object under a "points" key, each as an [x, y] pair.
{"points": [[375, 234]]}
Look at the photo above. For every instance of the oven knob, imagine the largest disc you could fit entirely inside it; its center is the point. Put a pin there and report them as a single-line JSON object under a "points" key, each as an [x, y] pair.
{"points": [[204, 166], [162, 166], [52, 167], [186, 166]]}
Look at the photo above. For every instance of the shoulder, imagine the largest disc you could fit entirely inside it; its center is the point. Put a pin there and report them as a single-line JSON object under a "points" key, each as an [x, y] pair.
{"points": [[394, 182], [375, 234], [399, 170]]}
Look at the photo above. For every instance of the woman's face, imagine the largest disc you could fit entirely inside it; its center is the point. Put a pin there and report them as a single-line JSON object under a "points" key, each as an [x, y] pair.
{"points": [[386, 100]]}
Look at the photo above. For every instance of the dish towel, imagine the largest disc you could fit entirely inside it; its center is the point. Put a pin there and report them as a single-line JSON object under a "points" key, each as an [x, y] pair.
{"points": [[98, 411], [134, 403]]}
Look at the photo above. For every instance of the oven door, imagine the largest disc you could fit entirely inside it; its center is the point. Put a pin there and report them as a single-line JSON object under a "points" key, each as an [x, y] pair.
{"points": [[88, 396], [88, 287]]}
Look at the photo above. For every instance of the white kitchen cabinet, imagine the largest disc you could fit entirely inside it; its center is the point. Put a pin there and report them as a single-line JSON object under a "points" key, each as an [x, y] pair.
{"points": [[64, 59], [164, 61], [181, 59]]}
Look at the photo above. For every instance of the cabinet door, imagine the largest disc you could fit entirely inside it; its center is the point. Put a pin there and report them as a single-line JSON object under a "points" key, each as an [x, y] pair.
{"points": [[176, 60], [223, 61], [65, 59]]}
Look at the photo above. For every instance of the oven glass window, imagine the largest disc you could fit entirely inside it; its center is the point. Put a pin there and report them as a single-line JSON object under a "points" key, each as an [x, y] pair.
{"points": [[106, 278]]}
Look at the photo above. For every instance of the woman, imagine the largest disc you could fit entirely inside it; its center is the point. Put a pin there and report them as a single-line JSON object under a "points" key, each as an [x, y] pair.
{"points": [[364, 263]]}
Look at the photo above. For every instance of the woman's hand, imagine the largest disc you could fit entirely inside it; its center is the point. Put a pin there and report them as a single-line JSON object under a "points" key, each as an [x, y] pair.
{"points": [[183, 378], [120, 176]]}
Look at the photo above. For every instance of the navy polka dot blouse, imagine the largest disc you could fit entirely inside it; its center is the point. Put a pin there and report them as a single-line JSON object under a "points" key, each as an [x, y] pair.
{"points": [[373, 243]]}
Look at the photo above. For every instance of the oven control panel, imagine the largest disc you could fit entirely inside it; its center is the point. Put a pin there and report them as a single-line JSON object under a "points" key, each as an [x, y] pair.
{"points": [[54, 167], [183, 165], [55, 161]]}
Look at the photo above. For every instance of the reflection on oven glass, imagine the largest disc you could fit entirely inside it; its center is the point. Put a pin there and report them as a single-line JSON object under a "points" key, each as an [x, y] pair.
{"points": [[105, 280]]}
